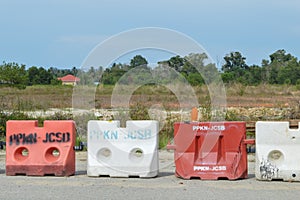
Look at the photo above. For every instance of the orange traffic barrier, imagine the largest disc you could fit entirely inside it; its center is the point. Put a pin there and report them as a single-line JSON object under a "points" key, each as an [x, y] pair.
{"points": [[210, 150], [40, 151]]}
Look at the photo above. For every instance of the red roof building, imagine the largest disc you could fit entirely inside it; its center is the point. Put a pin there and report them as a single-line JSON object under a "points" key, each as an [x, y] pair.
{"points": [[69, 80]]}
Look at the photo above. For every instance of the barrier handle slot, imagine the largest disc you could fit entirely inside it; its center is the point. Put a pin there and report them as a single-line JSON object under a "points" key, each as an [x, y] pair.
{"points": [[80, 147], [250, 149], [249, 141], [2, 144], [171, 146]]}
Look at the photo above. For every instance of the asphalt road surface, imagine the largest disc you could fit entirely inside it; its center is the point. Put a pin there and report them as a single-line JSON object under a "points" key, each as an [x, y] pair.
{"points": [[165, 186]]}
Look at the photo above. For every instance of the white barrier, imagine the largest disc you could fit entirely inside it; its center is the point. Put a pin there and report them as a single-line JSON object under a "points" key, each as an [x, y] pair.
{"points": [[123, 152], [277, 151]]}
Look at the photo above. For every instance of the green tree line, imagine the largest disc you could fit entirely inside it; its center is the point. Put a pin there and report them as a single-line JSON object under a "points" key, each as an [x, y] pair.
{"points": [[15, 75], [280, 68]]}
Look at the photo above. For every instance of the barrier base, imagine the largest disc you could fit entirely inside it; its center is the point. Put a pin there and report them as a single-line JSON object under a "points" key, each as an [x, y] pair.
{"points": [[50, 170], [283, 175], [126, 173], [204, 176]]}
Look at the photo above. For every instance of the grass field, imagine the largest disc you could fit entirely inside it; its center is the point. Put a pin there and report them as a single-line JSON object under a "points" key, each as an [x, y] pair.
{"points": [[45, 97], [246, 103]]}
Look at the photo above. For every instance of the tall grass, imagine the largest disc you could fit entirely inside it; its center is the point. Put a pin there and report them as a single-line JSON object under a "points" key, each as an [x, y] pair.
{"points": [[47, 96], [247, 103]]}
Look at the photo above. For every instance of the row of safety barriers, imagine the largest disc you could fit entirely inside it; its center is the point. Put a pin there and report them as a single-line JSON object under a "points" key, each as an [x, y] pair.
{"points": [[206, 150]]}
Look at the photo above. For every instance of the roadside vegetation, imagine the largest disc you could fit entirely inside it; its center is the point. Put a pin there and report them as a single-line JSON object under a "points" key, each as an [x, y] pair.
{"points": [[267, 92], [246, 103]]}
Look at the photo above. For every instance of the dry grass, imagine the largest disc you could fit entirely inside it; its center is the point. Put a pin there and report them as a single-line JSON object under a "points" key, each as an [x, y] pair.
{"points": [[247, 103], [45, 97], [262, 96], [36, 97]]}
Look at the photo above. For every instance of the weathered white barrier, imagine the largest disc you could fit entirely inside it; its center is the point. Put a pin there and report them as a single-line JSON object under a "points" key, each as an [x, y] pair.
{"points": [[123, 152], [277, 151]]}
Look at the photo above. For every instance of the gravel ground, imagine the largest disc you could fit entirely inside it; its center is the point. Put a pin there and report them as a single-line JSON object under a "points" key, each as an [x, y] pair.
{"points": [[165, 186]]}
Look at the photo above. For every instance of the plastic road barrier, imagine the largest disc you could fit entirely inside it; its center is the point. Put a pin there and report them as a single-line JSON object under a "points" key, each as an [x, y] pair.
{"points": [[39, 151], [277, 151], [210, 150], [123, 152]]}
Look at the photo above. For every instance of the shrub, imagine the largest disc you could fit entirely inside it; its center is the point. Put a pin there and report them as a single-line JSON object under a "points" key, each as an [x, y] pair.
{"points": [[5, 116]]}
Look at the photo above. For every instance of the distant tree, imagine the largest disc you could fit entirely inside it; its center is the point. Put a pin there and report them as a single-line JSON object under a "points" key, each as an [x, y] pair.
{"points": [[175, 62], [106, 77], [253, 75], [198, 64], [63, 72], [283, 68], [193, 68], [290, 73], [110, 76], [190, 64], [194, 62], [195, 79], [234, 62], [85, 79], [74, 71], [14, 75], [280, 56], [235, 68], [138, 60], [54, 71], [228, 77], [45, 76], [92, 73], [33, 75], [39, 76], [55, 81]]}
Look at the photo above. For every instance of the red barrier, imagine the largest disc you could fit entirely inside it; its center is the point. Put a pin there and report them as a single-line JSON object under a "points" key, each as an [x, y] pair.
{"points": [[39, 151], [210, 150]]}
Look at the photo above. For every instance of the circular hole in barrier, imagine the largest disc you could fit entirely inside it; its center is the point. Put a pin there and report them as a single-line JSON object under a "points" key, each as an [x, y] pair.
{"points": [[52, 154], [104, 154], [136, 154], [25, 152], [55, 153], [276, 157], [293, 175], [21, 154]]}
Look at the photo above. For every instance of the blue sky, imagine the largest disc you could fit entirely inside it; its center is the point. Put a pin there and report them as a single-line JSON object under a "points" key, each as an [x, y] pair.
{"points": [[61, 33]]}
